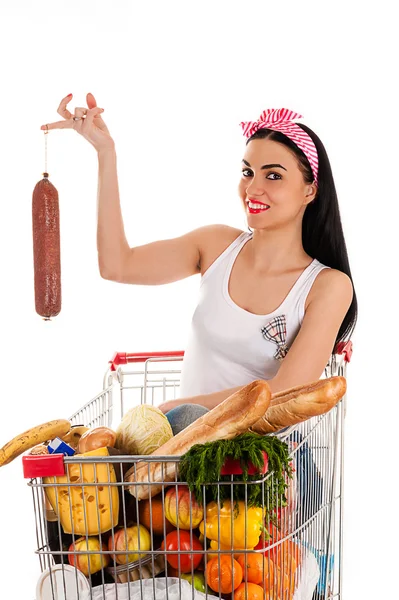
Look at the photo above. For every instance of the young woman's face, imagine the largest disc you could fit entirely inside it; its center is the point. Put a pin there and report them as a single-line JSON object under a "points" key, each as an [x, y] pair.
{"points": [[272, 187]]}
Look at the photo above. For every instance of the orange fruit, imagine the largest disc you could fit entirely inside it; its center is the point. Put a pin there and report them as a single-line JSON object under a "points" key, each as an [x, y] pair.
{"points": [[223, 574], [249, 591], [255, 567], [277, 585], [154, 510], [287, 556]]}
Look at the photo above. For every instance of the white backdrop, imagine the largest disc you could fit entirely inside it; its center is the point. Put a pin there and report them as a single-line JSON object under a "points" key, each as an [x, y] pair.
{"points": [[175, 80]]}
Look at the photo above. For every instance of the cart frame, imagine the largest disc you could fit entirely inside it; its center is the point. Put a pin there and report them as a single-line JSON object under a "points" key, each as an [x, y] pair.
{"points": [[152, 378]]}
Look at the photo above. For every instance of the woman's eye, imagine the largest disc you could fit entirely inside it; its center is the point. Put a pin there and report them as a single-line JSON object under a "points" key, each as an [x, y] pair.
{"points": [[272, 176]]}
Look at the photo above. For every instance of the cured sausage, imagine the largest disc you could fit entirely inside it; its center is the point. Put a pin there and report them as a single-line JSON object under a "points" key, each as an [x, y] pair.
{"points": [[46, 248]]}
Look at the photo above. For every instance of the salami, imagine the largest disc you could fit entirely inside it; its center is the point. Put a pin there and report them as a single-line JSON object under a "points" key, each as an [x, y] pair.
{"points": [[46, 248]]}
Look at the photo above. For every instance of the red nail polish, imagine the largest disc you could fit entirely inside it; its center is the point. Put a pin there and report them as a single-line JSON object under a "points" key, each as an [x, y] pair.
{"points": [[69, 95]]}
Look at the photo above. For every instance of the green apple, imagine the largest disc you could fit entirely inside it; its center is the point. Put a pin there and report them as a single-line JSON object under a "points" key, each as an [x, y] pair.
{"points": [[198, 580]]}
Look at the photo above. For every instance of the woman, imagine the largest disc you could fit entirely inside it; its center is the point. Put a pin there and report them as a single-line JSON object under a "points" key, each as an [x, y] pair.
{"points": [[274, 301]]}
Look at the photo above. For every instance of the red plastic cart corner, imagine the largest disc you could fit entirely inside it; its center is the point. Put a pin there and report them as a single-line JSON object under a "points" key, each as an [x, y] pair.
{"points": [[345, 348], [43, 466]]}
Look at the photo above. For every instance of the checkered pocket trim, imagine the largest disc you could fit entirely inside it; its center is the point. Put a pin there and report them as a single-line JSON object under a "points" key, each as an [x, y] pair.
{"points": [[276, 331]]}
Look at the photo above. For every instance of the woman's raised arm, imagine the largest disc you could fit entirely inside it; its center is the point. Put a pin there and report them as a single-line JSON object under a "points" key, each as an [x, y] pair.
{"points": [[155, 263]]}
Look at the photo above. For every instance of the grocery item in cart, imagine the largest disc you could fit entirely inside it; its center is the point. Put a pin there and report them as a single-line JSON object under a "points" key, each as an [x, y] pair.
{"points": [[161, 588], [233, 525], [58, 446], [181, 508], [146, 568], [32, 437], [206, 465], [152, 515], [88, 563], [228, 419], [223, 574], [143, 430], [183, 415], [298, 404], [62, 582], [73, 436], [99, 437], [129, 543], [84, 509]]}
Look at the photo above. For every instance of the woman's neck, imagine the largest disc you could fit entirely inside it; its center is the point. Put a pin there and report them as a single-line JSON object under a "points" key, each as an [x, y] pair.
{"points": [[277, 250]]}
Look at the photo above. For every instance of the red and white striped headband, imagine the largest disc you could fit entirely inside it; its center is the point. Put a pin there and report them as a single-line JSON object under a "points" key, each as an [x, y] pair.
{"points": [[282, 119]]}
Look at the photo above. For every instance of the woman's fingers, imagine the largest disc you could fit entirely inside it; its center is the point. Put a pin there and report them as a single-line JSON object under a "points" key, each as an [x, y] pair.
{"points": [[58, 125], [62, 109], [82, 116], [80, 112], [90, 116], [85, 121], [91, 101]]}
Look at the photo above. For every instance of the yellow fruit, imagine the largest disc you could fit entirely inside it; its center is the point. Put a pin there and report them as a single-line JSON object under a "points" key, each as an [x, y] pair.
{"points": [[128, 540], [32, 437]]}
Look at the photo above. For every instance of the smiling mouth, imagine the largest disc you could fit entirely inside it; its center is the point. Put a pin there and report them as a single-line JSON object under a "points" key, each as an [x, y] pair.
{"points": [[256, 207]]}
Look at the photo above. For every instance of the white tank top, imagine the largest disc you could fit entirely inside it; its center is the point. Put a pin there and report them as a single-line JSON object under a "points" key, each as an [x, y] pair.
{"points": [[229, 346]]}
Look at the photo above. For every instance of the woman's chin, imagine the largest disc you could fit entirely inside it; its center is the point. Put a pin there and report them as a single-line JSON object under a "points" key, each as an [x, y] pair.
{"points": [[258, 221]]}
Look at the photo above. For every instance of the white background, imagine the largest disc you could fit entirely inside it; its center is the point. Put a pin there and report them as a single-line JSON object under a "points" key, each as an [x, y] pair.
{"points": [[176, 79]]}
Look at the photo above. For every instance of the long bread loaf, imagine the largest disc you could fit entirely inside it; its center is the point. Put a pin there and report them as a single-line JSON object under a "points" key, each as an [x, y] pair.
{"points": [[300, 403], [227, 420]]}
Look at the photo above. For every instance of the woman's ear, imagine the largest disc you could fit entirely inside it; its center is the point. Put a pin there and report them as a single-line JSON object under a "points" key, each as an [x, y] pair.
{"points": [[310, 193]]}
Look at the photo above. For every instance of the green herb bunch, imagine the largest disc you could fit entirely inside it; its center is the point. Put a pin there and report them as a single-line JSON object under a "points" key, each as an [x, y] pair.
{"points": [[202, 464]]}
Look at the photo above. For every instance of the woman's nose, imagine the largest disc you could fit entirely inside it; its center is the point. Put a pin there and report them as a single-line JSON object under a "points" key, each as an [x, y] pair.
{"points": [[254, 188]]}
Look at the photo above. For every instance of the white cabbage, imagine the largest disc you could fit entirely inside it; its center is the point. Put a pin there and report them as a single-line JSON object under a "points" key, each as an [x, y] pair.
{"points": [[143, 430]]}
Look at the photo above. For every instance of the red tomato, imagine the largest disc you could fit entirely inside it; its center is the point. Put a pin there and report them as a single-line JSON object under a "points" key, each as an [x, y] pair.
{"points": [[181, 541]]}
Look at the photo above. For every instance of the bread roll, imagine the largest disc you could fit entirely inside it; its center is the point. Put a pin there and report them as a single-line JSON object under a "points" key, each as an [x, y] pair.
{"points": [[301, 403], [73, 436], [227, 420], [99, 437]]}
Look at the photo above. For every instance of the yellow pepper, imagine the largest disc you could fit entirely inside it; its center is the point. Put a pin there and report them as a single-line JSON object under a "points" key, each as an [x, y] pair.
{"points": [[239, 529]]}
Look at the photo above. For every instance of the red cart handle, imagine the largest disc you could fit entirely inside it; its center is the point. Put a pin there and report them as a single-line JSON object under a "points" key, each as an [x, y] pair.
{"points": [[345, 348], [123, 358]]}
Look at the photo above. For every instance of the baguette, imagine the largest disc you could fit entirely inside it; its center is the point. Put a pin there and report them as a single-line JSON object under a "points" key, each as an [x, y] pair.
{"points": [[227, 420], [300, 403]]}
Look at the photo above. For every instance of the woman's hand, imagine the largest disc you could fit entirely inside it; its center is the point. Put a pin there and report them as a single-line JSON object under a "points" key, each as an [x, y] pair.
{"points": [[88, 123], [206, 400], [167, 406]]}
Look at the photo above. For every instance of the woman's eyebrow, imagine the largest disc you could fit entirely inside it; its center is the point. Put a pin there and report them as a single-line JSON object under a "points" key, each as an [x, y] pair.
{"points": [[266, 166]]}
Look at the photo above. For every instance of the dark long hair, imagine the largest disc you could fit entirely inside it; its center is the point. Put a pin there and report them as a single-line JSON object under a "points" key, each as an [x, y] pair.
{"points": [[322, 234]]}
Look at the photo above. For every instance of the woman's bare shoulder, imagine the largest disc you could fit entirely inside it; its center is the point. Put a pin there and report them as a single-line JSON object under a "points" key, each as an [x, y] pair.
{"points": [[213, 240], [331, 282]]}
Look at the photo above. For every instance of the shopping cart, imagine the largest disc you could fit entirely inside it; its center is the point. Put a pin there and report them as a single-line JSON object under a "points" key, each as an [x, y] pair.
{"points": [[86, 518]]}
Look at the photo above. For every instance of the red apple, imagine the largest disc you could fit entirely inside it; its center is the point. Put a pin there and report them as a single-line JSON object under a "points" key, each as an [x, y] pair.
{"points": [[127, 540], [88, 563], [182, 510]]}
